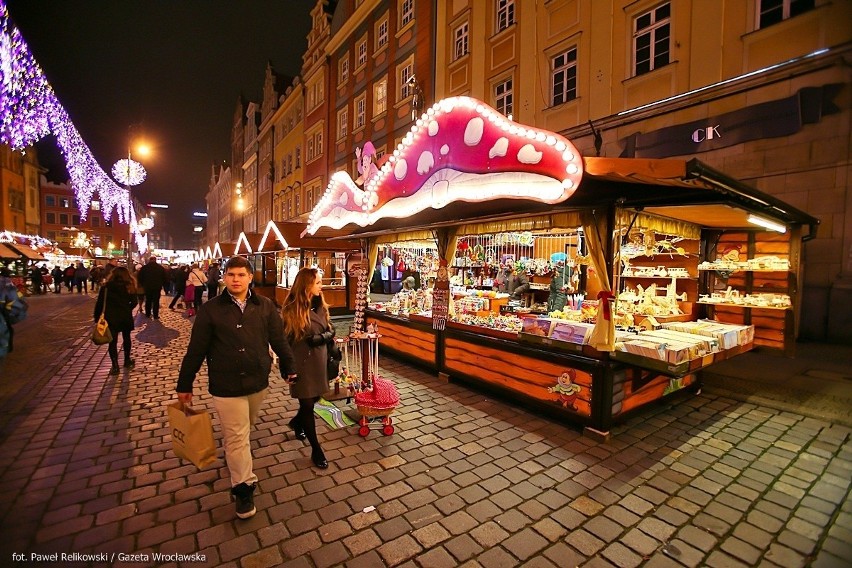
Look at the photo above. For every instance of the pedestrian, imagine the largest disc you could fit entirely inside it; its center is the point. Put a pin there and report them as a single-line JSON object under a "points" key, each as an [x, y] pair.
{"points": [[110, 265], [46, 279], [57, 274], [179, 276], [198, 279], [307, 325], [81, 277], [213, 278], [119, 292], [234, 333], [8, 294], [36, 278], [151, 279], [96, 276], [69, 277]]}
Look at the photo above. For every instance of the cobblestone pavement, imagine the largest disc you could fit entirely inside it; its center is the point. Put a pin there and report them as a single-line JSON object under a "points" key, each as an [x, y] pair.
{"points": [[87, 468]]}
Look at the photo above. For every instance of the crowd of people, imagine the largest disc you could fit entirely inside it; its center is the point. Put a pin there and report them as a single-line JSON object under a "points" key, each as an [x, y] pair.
{"points": [[234, 332]]}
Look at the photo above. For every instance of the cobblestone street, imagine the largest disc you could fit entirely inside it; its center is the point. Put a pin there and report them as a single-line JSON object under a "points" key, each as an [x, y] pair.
{"points": [[466, 480]]}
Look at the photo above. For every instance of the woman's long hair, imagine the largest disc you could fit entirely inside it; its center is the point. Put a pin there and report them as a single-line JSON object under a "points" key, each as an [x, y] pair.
{"points": [[123, 277], [296, 312]]}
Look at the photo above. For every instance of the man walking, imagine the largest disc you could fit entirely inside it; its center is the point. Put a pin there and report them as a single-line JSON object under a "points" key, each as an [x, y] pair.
{"points": [[213, 278], [151, 278], [233, 333]]}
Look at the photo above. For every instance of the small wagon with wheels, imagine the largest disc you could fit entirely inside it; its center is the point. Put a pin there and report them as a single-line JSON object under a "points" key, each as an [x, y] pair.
{"points": [[376, 405]]}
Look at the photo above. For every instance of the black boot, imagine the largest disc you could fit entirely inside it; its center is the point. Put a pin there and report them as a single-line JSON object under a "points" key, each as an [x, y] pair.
{"points": [[297, 429], [243, 495], [114, 370]]}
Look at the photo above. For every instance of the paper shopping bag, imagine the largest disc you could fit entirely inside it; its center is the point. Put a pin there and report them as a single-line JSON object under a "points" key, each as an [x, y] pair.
{"points": [[192, 434]]}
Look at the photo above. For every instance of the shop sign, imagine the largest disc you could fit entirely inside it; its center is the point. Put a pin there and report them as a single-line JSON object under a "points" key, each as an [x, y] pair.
{"points": [[441, 298], [772, 119]]}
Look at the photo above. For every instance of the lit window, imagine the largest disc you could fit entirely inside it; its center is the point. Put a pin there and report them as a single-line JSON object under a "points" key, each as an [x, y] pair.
{"points": [[774, 11], [564, 77], [406, 12], [298, 156], [362, 52], [651, 39], [505, 14], [343, 70], [406, 89], [382, 34], [503, 97], [460, 45], [360, 111], [380, 96]]}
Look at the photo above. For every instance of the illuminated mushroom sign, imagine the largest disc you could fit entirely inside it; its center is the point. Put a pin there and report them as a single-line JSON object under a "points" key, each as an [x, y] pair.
{"points": [[460, 150]]}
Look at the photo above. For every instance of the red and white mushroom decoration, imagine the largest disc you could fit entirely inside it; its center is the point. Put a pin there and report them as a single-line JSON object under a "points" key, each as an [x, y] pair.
{"points": [[459, 150]]}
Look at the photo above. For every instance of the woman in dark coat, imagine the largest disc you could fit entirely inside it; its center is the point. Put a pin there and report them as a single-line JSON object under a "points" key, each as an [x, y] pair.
{"points": [[120, 292], [308, 328]]}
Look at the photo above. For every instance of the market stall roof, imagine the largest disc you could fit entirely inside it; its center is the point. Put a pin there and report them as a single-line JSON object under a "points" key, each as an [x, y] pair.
{"points": [[8, 252], [284, 235], [25, 251], [679, 189], [248, 243]]}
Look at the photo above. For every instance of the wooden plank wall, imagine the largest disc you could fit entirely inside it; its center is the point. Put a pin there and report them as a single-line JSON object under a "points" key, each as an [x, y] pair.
{"points": [[414, 343], [633, 388], [527, 375]]}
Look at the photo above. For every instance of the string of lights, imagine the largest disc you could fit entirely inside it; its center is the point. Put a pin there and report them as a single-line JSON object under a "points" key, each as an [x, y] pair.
{"points": [[30, 110]]}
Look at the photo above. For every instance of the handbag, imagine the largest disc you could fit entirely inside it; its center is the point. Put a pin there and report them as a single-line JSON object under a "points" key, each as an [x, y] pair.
{"points": [[334, 358], [101, 334], [192, 434]]}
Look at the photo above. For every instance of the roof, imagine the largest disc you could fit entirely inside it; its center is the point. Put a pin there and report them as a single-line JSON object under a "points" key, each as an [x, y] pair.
{"points": [[8, 252], [690, 191], [25, 251]]}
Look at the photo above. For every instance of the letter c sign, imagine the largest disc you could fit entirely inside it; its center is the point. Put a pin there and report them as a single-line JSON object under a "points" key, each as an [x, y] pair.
{"points": [[178, 435], [707, 133]]}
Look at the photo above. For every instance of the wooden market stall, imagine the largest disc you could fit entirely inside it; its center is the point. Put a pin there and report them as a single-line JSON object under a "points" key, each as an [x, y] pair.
{"points": [[658, 246]]}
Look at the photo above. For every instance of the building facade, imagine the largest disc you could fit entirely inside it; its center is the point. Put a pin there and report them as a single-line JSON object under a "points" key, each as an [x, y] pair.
{"points": [[250, 167], [289, 136], [380, 57], [759, 89]]}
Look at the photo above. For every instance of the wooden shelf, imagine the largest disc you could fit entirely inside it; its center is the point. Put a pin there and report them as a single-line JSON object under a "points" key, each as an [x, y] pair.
{"points": [[661, 277], [735, 270], [726, 304]]}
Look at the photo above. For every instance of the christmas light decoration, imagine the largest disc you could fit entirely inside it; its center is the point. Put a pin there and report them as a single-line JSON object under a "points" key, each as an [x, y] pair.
{"points": [[30, 110], [128, 172]]}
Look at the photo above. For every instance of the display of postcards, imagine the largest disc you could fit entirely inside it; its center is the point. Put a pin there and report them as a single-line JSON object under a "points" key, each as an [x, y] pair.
{"points": [[704, 343], [536, 326], [650, 349], [728, 335], [573, 332]]}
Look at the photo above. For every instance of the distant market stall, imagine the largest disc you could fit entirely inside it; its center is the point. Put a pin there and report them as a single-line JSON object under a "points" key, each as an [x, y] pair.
{"points": [[617, 280]]}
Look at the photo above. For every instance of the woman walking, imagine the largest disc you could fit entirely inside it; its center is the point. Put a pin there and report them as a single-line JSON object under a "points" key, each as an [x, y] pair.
{"points": [[308, 328], [198, 280], [119, 293]]}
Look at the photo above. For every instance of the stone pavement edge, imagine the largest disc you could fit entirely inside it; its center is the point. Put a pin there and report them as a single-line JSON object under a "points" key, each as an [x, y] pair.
{"points": [[466, 480]]}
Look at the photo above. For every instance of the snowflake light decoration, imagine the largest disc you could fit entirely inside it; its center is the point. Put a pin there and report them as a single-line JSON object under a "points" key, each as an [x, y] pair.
{"points": [[128, 172]]}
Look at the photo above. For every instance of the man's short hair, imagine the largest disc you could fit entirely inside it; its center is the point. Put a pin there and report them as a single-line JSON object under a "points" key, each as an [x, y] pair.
{"points": [[238, 262]]}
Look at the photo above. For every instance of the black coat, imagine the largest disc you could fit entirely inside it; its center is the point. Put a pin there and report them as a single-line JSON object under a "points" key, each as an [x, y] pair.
{"points": [[152, 276], [235, 345], [119, 307]]}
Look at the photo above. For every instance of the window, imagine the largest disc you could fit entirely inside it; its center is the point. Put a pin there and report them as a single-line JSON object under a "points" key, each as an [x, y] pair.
{"points": [[95, 205], [298, 157], [298, 204], [360, 111], [343, 70], [406, 12], [503, 97], [380, 96], [314, 145], [505, 14], [289, 208], [564, 77], [406, 71], [75, 219], [50, 200], [362, 52], [382, 34], [310, 199], [64, 202], [460, 41], [342, 122], [63, 219], [651, 39], [774, 11], [96, 221], [51, 218]]}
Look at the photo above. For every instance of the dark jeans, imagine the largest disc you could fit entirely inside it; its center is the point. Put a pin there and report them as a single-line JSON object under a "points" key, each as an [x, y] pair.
{"points": [[199, 293], [152, 302], [212, 290], [177, 298], [125, 345]]}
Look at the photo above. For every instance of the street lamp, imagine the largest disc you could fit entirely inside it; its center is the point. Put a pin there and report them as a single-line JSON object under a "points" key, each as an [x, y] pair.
{"points": [[241, 206], [129, 173]]}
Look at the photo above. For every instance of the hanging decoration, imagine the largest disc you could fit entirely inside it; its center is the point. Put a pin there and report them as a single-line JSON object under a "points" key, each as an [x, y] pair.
{"points": [[30, 110], [128, 172]]}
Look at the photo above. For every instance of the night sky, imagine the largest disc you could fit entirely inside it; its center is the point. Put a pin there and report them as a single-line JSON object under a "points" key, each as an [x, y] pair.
{"points": [[172, 68]]}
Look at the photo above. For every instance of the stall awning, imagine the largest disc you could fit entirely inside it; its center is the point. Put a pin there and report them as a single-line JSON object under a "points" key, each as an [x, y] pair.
{"points": [[288, 235], [25, 251], [7, 252]]}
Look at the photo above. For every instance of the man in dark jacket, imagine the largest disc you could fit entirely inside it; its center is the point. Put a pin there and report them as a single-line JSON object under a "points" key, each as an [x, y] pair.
{"points": [[178, 276], [233, 333], [151, 278]]}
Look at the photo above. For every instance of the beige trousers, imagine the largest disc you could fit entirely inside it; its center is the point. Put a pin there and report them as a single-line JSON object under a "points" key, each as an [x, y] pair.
{"points": [[237, 416]]}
